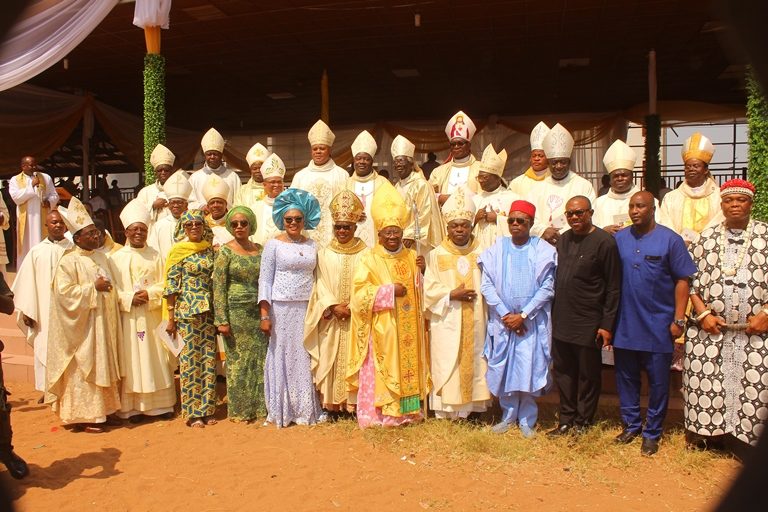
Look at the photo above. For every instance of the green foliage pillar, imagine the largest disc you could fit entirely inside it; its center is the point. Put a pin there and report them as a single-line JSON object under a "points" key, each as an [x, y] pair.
{"points": [[757, 167], [653, 181], [154, 109]]}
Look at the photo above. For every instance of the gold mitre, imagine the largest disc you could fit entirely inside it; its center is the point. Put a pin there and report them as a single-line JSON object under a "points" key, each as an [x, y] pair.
{"points": [[133, 212], [161, 155], [257, 153], [273, 167], [177, 186], [346, 207], [76, 217], [537, 135], [212, 141], [215, 187], [492, 162], [698, 146], [558, 143], [619, 156], [460, 206], [320, 133], [388, 208], [402, 147]]}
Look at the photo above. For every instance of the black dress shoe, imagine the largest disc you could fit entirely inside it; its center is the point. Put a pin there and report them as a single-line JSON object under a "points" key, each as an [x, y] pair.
{"points": [[561, 430], [15, 464], [627, 436], [649, 446]]}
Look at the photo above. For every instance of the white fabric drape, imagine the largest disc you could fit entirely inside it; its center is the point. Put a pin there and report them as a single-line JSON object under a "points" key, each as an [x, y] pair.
{"points": [[152, 13], [45, 33]]}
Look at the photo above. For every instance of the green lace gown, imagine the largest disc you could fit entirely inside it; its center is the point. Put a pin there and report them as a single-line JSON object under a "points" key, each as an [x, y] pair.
{"points": [[235, 297]]}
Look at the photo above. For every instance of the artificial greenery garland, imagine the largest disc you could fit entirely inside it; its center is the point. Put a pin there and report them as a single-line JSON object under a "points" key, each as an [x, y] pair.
{"points": [[757, 167], [653, 181], [154, 109]]}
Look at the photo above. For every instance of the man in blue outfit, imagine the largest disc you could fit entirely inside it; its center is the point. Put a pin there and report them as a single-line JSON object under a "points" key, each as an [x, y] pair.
{"points": [[654, 293]]}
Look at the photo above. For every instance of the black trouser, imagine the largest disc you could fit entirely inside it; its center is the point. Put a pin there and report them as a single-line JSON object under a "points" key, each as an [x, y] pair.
{"points": [[578, 377]]}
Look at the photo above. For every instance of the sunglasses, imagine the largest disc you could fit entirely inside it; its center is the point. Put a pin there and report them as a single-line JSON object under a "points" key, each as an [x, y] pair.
{"points": [[292, 220], [575, 213], [239, 223], [342, 227], [193, 224], [458, 143], [517, 220]]}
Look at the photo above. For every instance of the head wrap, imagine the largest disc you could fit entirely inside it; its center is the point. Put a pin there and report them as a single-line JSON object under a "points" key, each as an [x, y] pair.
{"points": [[523, 206], [537, 135], [212, 141], [346, 207], [320, 134], [364, 143], [402, 147], [177, 186], [492, 162], [191, 215], [460, 206], [257, 153], [133, 212], [698, 146], [737, 186], [460, 126], [161, 155], [247, 212], [388, 208], [76, 217], [296, 199], [558, 143], [619, 156]]}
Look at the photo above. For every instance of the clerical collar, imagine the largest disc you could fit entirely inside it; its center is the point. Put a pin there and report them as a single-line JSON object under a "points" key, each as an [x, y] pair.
{"points": [[563, 181], [462, 160], [352, 247], [625, 195], [56, 241], [268, 200], [452, 248], [364, 179], [399, 249], [327, 166], [220, 169]]}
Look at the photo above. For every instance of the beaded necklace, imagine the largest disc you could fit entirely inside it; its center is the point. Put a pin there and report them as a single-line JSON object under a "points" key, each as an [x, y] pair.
{"points": [[742, 250]]}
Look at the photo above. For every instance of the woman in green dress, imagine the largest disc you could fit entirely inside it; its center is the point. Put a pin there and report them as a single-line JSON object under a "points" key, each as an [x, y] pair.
{"points": [[235, 293], [187, 291]]}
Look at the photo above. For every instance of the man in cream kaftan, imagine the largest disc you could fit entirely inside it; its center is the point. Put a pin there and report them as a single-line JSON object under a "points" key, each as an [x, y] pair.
{"points": [[153, 196]]}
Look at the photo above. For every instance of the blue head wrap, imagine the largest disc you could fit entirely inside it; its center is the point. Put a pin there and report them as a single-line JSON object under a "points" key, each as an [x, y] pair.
{"points": [[296, 199]]}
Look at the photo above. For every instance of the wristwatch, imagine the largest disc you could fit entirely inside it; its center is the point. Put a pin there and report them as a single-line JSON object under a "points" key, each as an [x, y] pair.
{"points": [[680, 322], [523, 316]]}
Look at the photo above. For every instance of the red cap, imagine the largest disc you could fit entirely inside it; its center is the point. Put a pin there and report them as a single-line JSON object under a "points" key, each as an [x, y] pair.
{"points": [[523, 206], [737, 186]]}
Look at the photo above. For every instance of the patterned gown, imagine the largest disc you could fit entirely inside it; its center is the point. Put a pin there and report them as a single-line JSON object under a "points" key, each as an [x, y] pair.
{"points": [[190, 280], [725, 379], [235, 294], [285, 281]]}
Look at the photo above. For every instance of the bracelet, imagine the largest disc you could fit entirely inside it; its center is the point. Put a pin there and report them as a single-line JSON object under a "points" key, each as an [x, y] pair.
{"points": [[703, 314], [265, 318], [765, 310], [170, 308]]}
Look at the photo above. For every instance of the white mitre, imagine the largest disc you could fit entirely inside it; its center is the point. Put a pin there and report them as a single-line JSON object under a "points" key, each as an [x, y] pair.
{"points": [[212, 141], [215, 188], [537, 135], [135, 211], [459, 206], [257, 153], [460, 126], [492, 162], [320, 133], [76, 217], [273, 167], [619, 156], [402, 147], [177, 186], [364, 143], [161, 155], [558, 143]]}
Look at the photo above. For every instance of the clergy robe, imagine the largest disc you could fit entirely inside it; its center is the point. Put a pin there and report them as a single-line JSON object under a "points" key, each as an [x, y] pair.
{"points": [[221, 235], [148, 195], [265, 226], [527, 183], [364, 189], [452, 175], [199, 177], [249, 194], [32, 297], [417, 191], [323, 182], [688, 211], [30, 213], [388, 338], [160, 236], [327, 338], [146, 365], [458, 331], [4, 225], [613, 208], [82, 365], [497, 201], [551, 198]]}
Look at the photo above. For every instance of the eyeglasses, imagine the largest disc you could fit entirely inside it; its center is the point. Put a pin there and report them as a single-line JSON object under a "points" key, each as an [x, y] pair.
{"points": [[458, 143], [292, 220], [193, 224], [343, 227], [391, 234], [517, 220], [240, 223], [575, 213]]}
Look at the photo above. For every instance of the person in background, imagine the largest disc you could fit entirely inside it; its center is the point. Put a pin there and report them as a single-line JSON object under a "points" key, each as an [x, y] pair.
{"points": [[429, 165], [153, 196], [253, 191], [529, 183]]}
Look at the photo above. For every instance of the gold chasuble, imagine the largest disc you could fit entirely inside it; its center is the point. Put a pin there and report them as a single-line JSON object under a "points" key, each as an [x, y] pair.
{"points": [[397, 334]]}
